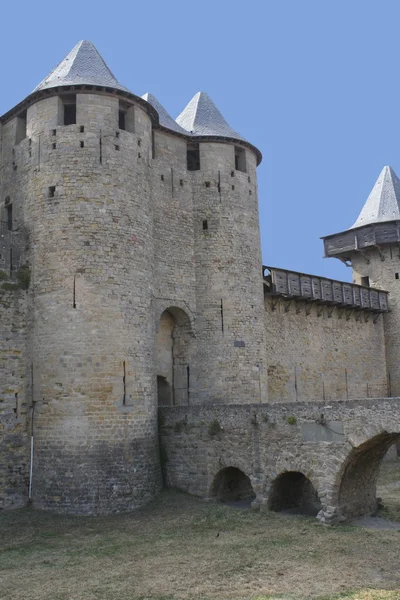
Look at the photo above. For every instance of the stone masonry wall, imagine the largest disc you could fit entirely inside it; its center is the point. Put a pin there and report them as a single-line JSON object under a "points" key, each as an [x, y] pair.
{"points": [[383, 269], [318, 440], [316, 353], [14, 439]]}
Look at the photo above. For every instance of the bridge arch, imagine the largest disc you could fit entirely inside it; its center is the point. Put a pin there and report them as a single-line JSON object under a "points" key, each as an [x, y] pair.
{"points": [[359, 473], [231, 484], [292, 491]]}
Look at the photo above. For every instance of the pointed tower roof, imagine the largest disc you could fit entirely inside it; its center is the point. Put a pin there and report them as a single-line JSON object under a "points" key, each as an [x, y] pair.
{"points": [[202, 117], [83, 65], [165, 118], [383, 203]]}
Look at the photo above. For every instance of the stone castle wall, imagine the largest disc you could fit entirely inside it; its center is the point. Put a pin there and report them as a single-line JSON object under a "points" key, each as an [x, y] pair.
{"points": [[116, 238], [14, 405], [383, 269], [317, 353]]}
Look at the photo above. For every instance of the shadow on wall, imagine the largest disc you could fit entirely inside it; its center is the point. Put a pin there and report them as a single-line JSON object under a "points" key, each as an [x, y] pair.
{"points": [[293, 493], [232, 486]]}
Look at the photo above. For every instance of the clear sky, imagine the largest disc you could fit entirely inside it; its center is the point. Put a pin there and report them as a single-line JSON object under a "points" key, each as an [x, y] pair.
{"points": [[312, 83]]}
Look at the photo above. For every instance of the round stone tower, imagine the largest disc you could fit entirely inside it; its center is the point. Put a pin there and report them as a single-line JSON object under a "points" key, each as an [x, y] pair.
{"points": [[229, 291], [372, 247], [85, 201]]}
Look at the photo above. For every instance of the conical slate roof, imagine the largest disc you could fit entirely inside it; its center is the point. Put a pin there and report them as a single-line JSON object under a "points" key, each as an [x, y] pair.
{"points": [[383, 203], [165, 119], [202, 117], [83, 65]]}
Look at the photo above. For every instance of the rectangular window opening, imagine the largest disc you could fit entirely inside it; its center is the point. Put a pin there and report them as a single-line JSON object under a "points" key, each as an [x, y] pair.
{"points": [[117, 147], [240, 159], [54, 146], [52, 191], [396, 275], [365, 281], [82, 144], [121, 119], [126, 116], [82, 129], [205, 224], [20, 130], [9, 216], [69, 103], [193, 157], [53, 132]]}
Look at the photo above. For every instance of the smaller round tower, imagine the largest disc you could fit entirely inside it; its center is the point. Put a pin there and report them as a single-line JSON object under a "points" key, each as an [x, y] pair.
{"points": [[372, 247]]}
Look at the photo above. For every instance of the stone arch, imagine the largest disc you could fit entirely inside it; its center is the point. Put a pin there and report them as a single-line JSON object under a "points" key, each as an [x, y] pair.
{"points": [[359, 473], [231, 484], [293, 491], [173, 350]]}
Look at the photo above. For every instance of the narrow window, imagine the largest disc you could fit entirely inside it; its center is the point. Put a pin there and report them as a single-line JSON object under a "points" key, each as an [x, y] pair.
{"points": [[396, 275], [52, 191], [121, 119], [9, 217], [207, 183], [240, 159], [54, 146], [126, 117], [153, 145], [205, 224], [69, 103], [117, 134], [117, 147], [20, 130], [82, 129], [53, 132], [181, 182], [162, 177], [82, 144], [193, 157], [365, 281]]}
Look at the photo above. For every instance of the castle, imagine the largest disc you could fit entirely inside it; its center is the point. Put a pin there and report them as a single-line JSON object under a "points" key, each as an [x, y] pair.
{"points": [[142, 339]]}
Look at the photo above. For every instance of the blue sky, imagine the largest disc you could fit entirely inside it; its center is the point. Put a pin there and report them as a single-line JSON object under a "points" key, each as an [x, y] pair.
{"points": [[313, 83]]}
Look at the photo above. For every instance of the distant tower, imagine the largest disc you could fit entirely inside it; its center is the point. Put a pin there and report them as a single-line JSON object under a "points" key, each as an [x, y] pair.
{"points": [[372, 246]]}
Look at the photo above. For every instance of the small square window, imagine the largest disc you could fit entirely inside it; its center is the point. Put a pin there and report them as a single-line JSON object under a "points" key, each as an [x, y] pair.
{"points": [[52, 191], [117, 147], [207, 183], [54, 132]]}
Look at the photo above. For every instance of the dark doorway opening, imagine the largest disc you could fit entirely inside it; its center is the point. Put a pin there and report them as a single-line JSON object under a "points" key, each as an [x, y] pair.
{"points": [[164, 392]]}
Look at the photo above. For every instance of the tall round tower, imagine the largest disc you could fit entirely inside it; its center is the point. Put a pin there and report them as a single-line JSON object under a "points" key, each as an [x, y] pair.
{"points": [[372, 247], [230, 366], [83, 194]]}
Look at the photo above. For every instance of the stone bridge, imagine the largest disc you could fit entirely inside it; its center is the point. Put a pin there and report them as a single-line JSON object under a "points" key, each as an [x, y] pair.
{"points": [[316, 457]]}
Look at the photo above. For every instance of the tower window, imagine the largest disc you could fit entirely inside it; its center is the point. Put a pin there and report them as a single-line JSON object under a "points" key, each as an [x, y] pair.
{"points": [[69, 103], [240, 159], [205, 224], [20, 131], [126, 117], [193, 157], [365, 281], [396, 275], [52, 191], [9, 217], [121, 119]]}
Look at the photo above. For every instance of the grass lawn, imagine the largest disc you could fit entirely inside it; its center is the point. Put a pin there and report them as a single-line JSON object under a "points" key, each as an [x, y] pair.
{"points": [[181, 548]]}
